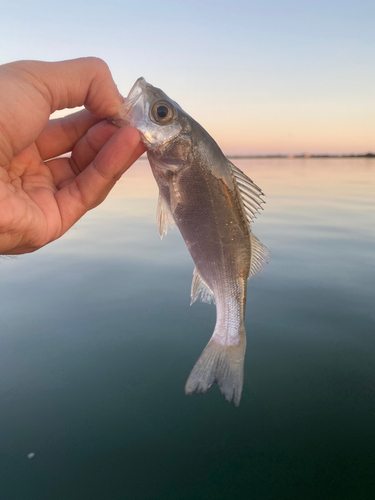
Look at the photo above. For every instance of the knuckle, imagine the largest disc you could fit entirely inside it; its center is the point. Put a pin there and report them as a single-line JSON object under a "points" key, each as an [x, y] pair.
{"points": [[99, 169], [100, 66]]}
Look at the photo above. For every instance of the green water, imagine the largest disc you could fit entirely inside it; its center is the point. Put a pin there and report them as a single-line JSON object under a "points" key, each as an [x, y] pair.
{"points": [[97, 339]]}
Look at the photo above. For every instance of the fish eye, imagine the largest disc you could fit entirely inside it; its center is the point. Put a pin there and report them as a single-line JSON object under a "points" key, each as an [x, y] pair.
{"points": [[162, 112]]}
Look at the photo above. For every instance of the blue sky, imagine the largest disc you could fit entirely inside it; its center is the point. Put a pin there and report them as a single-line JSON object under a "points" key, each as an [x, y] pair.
{"points": [[260, 76]]}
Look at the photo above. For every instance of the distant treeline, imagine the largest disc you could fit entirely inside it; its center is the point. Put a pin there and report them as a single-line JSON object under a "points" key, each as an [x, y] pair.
{"points": [[305, 155]]}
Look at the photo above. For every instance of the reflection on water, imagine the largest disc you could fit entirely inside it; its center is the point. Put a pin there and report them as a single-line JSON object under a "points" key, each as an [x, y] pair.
{"points": [[97, 339]]}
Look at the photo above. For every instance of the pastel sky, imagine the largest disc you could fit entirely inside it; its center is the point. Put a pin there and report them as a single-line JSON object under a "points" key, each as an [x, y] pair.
{"points": [[261, 76]]}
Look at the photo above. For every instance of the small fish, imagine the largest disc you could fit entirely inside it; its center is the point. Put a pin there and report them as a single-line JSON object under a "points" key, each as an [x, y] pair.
{"points": [[212, 202]]}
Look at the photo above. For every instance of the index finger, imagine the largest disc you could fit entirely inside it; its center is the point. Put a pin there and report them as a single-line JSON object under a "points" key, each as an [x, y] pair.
{"points": [[86, 81]]}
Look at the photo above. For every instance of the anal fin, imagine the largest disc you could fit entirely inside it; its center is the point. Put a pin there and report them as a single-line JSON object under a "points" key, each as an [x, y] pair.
{"points": [[200, 288]]}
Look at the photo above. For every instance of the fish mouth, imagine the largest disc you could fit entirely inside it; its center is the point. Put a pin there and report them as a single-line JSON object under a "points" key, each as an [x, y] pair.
{"points": [[132, 110]]}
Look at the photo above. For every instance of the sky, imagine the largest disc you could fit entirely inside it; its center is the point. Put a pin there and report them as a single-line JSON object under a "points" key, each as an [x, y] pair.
{"points": [[262, 77]]}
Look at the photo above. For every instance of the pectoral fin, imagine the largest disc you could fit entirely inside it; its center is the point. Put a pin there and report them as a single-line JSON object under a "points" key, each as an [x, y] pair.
{"points": [[163, 216]]}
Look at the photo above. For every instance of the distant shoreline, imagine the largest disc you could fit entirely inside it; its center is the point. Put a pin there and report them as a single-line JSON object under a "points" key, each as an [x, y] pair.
{"points": [[307, 156]]}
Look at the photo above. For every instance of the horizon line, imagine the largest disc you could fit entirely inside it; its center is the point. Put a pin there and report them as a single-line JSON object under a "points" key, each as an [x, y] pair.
{"points": [[304, 155], [290, 156]]}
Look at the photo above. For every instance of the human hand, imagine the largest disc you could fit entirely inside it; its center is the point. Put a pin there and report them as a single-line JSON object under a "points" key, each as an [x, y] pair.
{"points": [[42, 197]]}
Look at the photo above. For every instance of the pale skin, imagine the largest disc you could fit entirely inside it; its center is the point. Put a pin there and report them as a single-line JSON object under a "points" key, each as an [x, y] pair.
{"points": [[42, 196]]}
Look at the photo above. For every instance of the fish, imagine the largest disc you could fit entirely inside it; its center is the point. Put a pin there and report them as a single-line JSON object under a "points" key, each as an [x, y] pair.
{"points": [[213, 203]]}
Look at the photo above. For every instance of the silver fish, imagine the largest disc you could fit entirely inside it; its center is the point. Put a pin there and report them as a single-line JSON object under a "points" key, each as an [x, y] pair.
{"points": [[212, 202]]}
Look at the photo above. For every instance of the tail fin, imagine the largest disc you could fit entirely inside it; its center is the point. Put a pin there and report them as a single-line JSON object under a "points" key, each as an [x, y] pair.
{"points": [[221, 364]]}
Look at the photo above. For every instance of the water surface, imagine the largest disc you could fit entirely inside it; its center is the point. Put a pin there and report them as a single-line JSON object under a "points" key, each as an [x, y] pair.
{"points": [[97, 339]]}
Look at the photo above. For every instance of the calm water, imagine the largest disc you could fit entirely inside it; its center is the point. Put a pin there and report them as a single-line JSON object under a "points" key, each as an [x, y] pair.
{"points": [[97, 339]]}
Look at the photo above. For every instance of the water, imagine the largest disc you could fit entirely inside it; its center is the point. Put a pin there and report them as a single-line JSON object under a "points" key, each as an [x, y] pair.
{"points": [[97, 340]]}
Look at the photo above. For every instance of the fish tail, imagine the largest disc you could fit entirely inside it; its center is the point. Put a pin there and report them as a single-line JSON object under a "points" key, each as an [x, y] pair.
{"points": [[222, 364]]}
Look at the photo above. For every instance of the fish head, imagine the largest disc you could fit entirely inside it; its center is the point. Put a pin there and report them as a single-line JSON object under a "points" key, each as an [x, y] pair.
{"points": [[153, 114]]}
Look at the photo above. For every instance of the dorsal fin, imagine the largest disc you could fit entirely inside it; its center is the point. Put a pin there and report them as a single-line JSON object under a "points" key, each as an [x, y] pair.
{"points": [[251, 197], [200, 287], [259, 252], [250, 193], [164, 217]]}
